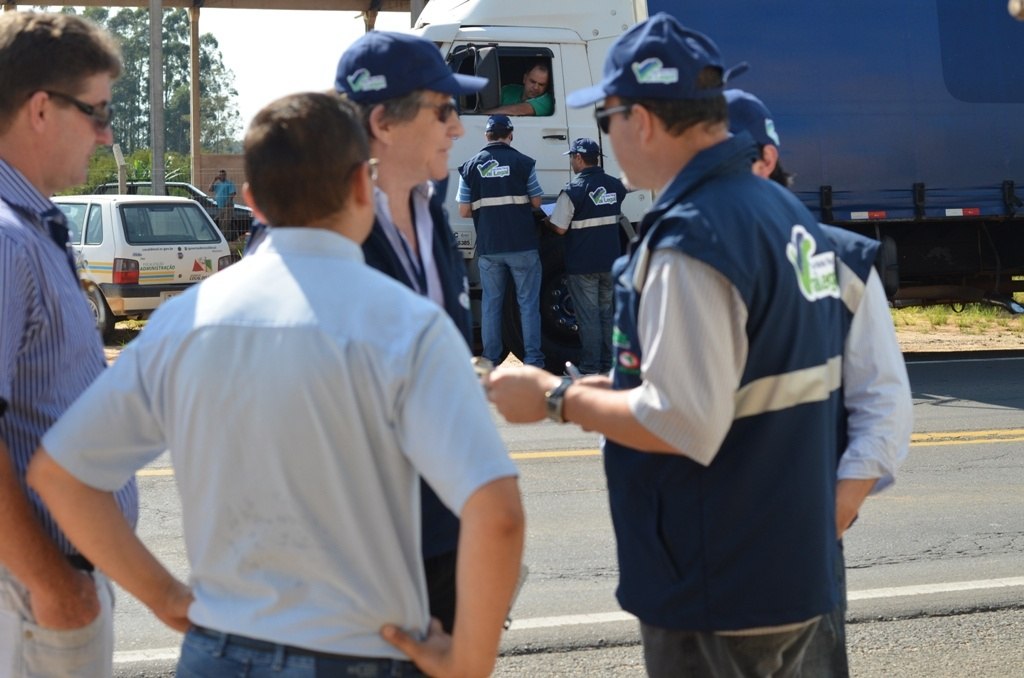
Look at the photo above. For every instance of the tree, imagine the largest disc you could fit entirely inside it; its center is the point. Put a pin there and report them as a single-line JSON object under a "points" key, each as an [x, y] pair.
{"points": [[221, 123]]}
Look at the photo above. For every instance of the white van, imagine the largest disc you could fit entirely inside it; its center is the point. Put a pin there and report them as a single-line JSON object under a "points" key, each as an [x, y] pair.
{"points": [[135, 251]]}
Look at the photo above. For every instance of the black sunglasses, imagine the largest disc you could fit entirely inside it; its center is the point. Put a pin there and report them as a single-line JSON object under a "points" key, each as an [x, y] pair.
{"points": [[100, 113], [444, 111], [603, 115]]}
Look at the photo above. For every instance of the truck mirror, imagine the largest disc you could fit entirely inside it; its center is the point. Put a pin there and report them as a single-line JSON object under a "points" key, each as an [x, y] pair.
{"points": [[487, 67]]}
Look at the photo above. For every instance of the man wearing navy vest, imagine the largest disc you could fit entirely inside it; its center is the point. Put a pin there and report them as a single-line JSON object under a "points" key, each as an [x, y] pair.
{"points": [[876, 419], [498, 187], [720, 416], [587, 213]]}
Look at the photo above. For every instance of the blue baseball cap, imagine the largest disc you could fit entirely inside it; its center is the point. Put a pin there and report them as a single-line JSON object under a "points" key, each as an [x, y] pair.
{"points": [[383, 65], [657, 59], [747, 113], [584, 146], [498, 122]]}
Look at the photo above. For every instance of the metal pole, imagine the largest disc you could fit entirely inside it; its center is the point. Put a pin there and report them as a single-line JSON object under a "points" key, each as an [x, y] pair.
{"points": [[415, 7], [156, 93], [196, 119]]}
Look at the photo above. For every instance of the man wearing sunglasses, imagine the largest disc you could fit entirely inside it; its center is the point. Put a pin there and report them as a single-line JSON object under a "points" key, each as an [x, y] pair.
{"points": [[721, 415], [412, 121], [56, 73]]}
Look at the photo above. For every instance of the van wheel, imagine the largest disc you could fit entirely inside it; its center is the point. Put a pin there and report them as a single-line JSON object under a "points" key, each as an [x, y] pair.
{"points": [[100, 311], [559, 333]]}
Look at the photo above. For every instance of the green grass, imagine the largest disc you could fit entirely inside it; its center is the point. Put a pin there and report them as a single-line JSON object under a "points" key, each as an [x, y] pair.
{"points": [[969, 319]]}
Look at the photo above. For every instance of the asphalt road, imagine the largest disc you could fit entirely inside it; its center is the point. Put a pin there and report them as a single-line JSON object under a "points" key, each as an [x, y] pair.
{"points": [[936, 575]]}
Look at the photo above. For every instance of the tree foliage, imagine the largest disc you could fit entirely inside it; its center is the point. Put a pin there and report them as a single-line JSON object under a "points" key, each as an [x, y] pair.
{"points": [[221, 123]]}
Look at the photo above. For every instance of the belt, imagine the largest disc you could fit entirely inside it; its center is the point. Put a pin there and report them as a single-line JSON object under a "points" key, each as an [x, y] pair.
{"points": [[80, 562], [266, 646]]}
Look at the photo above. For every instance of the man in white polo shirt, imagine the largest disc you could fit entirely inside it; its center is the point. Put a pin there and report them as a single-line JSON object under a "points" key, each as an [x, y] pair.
{"points": [[298, 459]]}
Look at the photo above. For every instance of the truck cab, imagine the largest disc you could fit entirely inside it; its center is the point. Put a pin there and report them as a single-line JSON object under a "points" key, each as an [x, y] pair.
{"points": [[500, 41]]}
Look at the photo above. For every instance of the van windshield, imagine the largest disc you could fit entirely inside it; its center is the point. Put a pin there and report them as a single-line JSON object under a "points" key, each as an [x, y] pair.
{"points": [[158, 224]]}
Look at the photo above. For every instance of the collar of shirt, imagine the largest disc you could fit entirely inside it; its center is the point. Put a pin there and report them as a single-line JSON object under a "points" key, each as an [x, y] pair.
{"points": [[421, 195], [17, 192], [297, 240], [734, 155]]}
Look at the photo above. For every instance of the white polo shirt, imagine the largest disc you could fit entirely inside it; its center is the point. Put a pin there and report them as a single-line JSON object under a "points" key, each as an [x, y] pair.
{"points": [[300, 393]]}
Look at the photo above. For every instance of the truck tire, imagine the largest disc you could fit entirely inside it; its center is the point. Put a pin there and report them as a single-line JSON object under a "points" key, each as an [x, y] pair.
{"points": [[559, 334], [100, 311]]}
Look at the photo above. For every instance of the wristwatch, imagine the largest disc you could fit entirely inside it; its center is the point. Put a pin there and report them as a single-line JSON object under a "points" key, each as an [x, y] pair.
{"points": [[554, 398]]}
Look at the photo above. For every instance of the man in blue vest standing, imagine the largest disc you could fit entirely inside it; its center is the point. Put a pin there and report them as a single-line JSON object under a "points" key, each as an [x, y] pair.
{"points": [[587, 213], [498, 187], [720, 416], [876, 419]]}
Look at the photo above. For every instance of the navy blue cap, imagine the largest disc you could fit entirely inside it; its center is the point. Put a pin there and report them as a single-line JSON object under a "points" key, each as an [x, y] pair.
{"points": [[747, 113], [383, 65], [498, 122], [584, 146], [657, 59]]}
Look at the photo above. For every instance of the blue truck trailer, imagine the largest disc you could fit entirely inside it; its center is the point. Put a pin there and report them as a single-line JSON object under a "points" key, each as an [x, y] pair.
{"points": [[901, 121]]}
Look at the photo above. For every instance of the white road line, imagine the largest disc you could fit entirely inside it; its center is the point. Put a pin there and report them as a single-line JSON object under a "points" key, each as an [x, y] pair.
{"points": [[569, 620], [960, 360], [926, 589], [171, 653], [163, 654]]}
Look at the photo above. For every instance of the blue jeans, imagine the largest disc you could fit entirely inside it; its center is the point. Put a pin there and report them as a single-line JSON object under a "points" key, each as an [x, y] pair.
{"points": [[526, 274], [592, 299], [210, 654]]}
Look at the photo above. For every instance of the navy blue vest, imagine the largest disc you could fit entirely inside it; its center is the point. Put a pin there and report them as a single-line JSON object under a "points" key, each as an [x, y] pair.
{"points": [[749, 540], [497, 178], [592, 242], [440, 526]]}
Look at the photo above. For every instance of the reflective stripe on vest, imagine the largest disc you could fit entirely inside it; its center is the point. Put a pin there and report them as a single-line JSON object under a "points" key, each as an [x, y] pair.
{"points": [[500, 200], [596, 221], [851, 286], [782, 391]]}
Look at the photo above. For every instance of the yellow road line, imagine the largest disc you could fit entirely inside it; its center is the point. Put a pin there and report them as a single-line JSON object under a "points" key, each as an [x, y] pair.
{"points": [[1012, 435], [1006, 435]]}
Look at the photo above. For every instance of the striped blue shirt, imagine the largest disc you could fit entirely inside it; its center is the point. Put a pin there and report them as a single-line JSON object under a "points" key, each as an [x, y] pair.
{"points": [[50, 350]]}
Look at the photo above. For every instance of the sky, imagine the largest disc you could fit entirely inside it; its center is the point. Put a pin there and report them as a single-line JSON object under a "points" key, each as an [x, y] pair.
{"points": [[277, 52]]}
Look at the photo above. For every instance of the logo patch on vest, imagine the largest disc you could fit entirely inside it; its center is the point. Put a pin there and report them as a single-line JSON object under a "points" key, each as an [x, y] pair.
{"points": [[362, 81], [492, 170], [815, 273], [603, 197], [653, 72]]}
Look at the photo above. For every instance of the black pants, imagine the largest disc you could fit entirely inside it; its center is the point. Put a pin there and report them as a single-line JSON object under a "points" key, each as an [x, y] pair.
{"points": [[669, 653], [440, 571]]}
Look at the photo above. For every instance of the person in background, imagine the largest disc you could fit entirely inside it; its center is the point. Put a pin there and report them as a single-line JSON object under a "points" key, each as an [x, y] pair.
{"points": [[720, 417], [533, 97], [877, 416], [223, 190], [412, 120], [302, 523], [56, 74], [498, 188], [587, 213]]}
